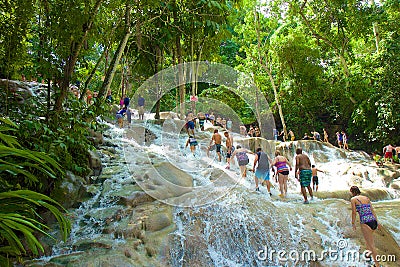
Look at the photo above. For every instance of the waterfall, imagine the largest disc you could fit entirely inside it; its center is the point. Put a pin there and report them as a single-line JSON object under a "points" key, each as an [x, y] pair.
{"points": [[156, 204]]}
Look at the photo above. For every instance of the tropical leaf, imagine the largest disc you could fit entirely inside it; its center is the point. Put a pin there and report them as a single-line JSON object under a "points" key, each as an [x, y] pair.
{"points": [[18, 217]]}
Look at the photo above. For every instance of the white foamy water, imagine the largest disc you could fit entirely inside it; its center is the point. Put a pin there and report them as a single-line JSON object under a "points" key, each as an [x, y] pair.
{"points": [[234, 224]]}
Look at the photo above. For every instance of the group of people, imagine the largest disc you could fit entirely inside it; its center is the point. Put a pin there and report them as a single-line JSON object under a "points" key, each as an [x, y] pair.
{"points": [[342, 141], [125, 110], [341, 137], [390, 153], [305, 173]]}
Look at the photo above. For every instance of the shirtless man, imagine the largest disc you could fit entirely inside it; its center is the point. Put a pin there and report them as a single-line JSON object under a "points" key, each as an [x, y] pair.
{"points": [[303, 173], [388, 153], [229, 149], [315, 181], [217, 138]]}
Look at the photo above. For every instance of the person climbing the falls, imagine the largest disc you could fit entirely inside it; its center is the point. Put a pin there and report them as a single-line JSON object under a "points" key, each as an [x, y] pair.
{"points": [[216, 139], [140, 104], [120, 117], [315, 181], [368, 220], [242, 158], [326, 136], [303, 173], [282, 167], [193, 143], [263, 163], [229, 149]]}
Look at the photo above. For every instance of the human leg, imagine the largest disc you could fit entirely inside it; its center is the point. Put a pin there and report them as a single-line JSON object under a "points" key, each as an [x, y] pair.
{"points": [[369, 240], [269, 186], [310, 191], [256, 182], [285, 180], [242, 170], [218, 148], [281, 184], [304, 193]]}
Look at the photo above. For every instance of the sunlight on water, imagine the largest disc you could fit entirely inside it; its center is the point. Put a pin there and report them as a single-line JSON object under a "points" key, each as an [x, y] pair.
{"points": [[234, 229]]}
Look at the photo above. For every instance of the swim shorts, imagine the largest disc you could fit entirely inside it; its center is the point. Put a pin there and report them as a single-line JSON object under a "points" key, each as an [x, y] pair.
{"points": [[305, 178], [262, 174], [315, 180], [218, 146]]}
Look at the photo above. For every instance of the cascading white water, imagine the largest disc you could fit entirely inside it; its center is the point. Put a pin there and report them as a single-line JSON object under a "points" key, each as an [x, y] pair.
{"points": [[225, 222]]}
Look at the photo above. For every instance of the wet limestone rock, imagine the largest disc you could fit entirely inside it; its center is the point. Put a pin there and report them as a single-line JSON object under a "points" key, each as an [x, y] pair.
{"points": [[165, 180], [70, 191], [96, 137], [135, 199], [95, 163], [396, 184]]}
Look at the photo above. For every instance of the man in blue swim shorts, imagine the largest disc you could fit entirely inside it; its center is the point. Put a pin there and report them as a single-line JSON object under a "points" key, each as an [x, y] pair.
{"points": [[303, 173]]}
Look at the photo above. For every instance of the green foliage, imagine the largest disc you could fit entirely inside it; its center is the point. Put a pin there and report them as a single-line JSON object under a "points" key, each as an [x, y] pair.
{"points": [[231, 101], [14, 24], [21, 168], [63, 136], [19, 222], [19, 218]]}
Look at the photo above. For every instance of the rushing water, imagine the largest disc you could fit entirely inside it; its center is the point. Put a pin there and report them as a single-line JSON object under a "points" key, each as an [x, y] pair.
{"points": [[221, 221]]}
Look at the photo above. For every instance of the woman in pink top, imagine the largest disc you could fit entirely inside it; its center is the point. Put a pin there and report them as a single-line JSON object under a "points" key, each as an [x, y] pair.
{"points": [[281, 164]]}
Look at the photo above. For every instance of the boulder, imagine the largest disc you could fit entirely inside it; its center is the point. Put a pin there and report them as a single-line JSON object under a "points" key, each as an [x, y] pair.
{"points": [[395, 184], [135, 199], [158, 221], [95, 163], [165, 180], [70, 191], [96, 137]]}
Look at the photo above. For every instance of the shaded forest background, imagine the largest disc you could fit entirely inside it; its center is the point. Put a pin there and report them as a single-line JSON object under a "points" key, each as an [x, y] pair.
{"points": [[320, 64], [332, 65]]}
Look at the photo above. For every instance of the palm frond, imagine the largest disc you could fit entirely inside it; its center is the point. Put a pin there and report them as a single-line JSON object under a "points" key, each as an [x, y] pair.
{"points": [[26, 223]]}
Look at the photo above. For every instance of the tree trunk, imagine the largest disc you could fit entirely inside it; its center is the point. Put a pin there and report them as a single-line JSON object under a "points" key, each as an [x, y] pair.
{"points": [[116, 58], [174, 59], [375, 28], [113, 67], [180, 78], [157, 60], [73, 57], [92, 73], [271, 78]]}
